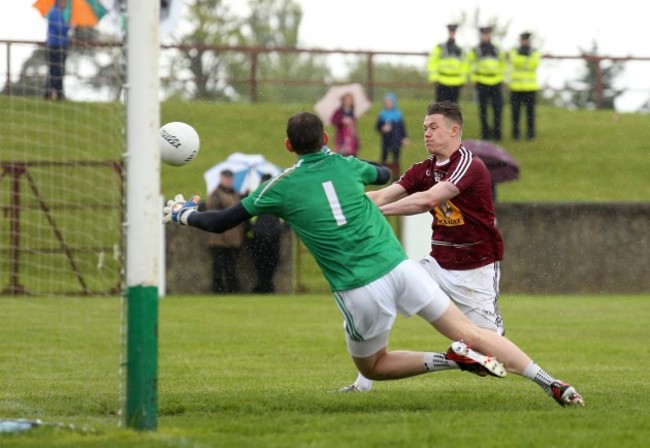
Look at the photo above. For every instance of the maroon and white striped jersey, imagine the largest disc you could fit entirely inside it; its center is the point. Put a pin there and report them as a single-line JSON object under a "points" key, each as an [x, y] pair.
{"points": [[464, 235]]}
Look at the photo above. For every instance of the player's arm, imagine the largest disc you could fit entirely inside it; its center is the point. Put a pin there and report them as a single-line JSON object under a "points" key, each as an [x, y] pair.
{"points": [[422, 201], [383, 173], [386, 195], [185, 212], [218, 221]]}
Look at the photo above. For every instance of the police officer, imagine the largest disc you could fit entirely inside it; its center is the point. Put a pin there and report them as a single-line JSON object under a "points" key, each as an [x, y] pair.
{"points": [[447, 67], [523, 84], [487, 69]]}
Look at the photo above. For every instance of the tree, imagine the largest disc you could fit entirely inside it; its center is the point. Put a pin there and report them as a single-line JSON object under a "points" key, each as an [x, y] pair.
{"points": [[585, 93], [275, 24], [215, 75], [385, 73], [106, 65], [95, 68], [32, 76], [211, 23]]}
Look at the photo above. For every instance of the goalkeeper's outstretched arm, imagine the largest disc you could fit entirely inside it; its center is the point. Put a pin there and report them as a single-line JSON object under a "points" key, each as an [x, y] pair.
{"points": [[383, 173], [218, 221], [180, 211]]}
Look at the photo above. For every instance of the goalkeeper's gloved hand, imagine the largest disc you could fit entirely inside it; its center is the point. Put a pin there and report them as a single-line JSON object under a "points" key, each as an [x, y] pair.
{"points": [[178, 209]]}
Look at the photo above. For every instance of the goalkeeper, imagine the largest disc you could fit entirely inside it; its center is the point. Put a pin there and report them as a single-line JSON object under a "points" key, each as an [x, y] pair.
{"points": [[322, 197]]}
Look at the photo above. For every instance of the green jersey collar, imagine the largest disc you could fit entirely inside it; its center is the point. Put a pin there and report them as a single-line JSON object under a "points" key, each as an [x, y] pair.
{"points": [[312, 156]]}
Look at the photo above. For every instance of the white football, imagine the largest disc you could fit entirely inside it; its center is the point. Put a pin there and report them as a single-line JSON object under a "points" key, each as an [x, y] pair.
{"points": [[179, 143]]}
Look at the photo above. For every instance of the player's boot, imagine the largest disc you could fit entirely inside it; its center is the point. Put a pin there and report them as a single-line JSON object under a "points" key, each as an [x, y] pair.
{"points": [[565, 394], [474, 362], [351, 388]]}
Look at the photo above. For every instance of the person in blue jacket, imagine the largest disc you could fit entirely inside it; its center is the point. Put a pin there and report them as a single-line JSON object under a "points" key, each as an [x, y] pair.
{"points": [[390, 124], [57, 43]]}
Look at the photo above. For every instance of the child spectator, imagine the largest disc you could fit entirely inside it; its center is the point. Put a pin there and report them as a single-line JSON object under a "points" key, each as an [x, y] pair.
{"points": [[390, 124], [346, 141]]}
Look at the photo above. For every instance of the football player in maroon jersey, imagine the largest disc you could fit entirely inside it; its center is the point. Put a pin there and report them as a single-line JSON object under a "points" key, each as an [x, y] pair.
{"points": [[454, 186]]}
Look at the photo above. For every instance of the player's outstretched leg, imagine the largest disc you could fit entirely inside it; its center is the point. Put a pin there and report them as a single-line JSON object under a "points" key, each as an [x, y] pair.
{"points": [[456, 326], [459, 356]]}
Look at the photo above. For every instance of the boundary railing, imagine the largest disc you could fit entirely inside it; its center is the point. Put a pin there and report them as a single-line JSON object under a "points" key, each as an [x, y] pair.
{"points": [[254, 80]]}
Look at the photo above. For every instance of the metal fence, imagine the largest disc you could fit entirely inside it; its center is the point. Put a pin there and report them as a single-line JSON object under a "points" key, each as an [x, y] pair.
{"points": [[560, 75]]}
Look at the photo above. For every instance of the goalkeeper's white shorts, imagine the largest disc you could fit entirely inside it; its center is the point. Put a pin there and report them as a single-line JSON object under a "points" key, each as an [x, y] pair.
{"points": [[474, 291], [369, 312]]}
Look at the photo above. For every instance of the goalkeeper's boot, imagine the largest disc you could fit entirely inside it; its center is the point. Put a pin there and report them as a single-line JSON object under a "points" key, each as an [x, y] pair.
{"points": [[474, 362], [565, 394], [352, 388]]}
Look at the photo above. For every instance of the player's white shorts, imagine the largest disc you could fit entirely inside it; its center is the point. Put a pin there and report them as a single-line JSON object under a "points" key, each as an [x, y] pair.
{"points": [[370, 311], [474, 291]]}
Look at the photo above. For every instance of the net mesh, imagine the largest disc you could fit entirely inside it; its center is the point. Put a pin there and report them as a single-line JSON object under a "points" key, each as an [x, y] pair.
{"points": [[61, 186]]}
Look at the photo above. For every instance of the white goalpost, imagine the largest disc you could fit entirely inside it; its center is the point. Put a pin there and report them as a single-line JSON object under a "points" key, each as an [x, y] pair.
{"points": [[143, 216]]}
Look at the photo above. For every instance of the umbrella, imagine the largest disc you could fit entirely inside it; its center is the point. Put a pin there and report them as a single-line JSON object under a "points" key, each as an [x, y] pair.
{"points": [[247, 169], [81, 13], [500, 164], [326, 106]]}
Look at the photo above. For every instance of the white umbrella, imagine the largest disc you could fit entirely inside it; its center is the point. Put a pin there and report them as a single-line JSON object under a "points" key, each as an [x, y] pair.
{"points": [[326, 106], [247, 170]]}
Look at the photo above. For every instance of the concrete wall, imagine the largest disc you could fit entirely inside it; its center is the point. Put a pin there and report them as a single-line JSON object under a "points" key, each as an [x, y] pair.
{"points": [[575, 248], [189, 265], [549, 248]]}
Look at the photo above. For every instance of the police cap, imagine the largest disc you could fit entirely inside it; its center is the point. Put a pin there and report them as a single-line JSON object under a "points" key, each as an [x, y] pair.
{"points": [[485, 29], [452, 26], [525, 35]]}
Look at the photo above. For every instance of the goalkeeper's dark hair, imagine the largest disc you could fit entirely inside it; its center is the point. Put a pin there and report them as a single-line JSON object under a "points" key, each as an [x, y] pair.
{"points": [[305, 132], [447, 109]]}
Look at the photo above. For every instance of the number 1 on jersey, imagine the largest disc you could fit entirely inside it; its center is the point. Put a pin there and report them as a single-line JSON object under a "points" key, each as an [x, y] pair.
{"points": [[335, 205]]}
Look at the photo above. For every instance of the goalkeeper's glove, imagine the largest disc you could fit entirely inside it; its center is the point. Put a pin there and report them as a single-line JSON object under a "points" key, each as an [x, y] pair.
{"points": [[178, 209]]}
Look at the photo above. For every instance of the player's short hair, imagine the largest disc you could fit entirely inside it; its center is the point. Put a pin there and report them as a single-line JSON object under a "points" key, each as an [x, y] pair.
{"points": [[447, 109], [305, 133]]}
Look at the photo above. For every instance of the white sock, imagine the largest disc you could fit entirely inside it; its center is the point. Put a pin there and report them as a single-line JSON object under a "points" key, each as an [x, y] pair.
{"points": [[433, 362], [436, 362], [363, 383], [539, 376]]}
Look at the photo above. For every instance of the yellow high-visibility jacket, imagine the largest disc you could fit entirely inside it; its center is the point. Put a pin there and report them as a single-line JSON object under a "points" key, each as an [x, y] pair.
{"points": [[448, 68], [488, 69], [523, 70]]}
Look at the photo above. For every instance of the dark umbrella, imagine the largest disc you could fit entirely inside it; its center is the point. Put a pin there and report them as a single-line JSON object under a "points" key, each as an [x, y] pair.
{"points": [[500, 164]]}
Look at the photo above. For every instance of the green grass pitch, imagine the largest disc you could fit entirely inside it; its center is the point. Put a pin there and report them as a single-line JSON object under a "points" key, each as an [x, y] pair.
{"points": [[240, 371]]}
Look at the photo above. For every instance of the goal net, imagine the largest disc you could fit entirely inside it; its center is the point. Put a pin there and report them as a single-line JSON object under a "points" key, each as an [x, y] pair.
{"points": [[61, 180]]}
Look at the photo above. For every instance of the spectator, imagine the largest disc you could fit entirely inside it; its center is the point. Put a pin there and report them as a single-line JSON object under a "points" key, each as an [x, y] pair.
{"points": [[523, 84], [265, 233], [487, 69], [390, 124], [346, 141], [225, 247], [57, 50], [447, 67]]}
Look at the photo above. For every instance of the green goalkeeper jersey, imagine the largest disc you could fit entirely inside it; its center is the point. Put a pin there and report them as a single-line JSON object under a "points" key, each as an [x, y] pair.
{"points": [[322, 197]]}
